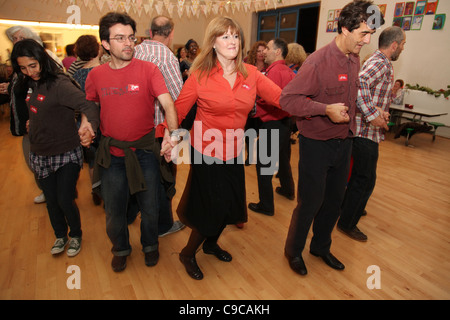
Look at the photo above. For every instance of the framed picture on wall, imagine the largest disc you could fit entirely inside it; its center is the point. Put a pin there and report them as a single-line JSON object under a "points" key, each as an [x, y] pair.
{"points": [[337, 13], [397, 22], [399, 7], [431, 6], [409, 8], [330, 26], [406, 23], [417, 23], [382, 8], [439, 21], [420, 7], [330, 15]]}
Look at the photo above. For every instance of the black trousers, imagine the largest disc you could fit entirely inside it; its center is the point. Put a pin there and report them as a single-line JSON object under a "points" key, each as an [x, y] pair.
{"points": [[362, 182], [60, 190], [322, 178], [265, 171]]}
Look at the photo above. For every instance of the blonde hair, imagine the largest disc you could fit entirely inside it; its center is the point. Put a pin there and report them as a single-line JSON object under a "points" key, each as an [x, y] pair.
{"points": [[207, 58], [296, 54]]}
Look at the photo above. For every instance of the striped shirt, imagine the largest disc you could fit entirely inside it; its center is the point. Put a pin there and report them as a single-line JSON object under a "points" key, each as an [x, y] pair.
{"points": [[159, 54], [376, 79], [76, 65]]}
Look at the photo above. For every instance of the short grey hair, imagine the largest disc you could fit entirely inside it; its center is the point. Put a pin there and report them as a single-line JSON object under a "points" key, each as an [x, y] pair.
{"points": [[390, 35], [162, 25], [28, 33]]}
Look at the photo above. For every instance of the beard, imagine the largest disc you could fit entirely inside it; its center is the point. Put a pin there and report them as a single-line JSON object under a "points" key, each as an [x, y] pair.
{"points": [[396, 54], [123, 55]]}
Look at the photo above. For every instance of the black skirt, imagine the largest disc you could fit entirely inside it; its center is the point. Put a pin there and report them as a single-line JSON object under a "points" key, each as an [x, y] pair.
{"points": [[214, 195]]}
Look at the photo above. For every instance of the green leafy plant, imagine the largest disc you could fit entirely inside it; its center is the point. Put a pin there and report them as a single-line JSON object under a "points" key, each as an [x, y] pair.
{"points": [[436, 93]]}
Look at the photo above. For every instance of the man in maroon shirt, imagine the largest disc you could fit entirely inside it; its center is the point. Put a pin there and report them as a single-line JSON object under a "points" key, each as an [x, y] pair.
{"points": [[274, 122], [323, 97]]}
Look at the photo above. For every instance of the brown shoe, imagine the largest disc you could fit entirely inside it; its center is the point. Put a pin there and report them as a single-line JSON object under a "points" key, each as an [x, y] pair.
{"points": [[354, 233], [119, 263]]}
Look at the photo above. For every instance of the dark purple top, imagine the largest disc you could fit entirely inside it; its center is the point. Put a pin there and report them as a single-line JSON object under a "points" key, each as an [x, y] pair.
{"points": [[327, 76]]}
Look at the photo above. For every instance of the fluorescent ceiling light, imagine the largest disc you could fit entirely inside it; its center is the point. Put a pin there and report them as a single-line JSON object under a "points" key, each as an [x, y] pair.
{"points": [[49, 24]]}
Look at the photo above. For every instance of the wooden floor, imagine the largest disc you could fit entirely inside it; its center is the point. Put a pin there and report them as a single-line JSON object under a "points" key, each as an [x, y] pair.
{"points": [[408, 226]]}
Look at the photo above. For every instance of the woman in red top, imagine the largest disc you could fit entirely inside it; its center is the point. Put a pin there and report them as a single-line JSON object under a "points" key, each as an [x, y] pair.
{"points": [[225, 90]]}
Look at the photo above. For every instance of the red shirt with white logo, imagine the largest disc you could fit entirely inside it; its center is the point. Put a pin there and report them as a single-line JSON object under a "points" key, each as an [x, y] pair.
{"points": [[126, 97], [222, 110]]}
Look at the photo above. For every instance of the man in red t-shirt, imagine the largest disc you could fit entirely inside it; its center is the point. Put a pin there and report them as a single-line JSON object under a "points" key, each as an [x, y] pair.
{"points": [[126, 89]]}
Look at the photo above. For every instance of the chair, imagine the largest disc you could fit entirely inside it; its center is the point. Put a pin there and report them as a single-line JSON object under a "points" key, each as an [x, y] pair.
{"points": [[409, 131], [435, 125]]}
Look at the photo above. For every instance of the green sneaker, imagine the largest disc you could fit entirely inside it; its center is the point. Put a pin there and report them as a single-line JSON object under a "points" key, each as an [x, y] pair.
{"points": [[74, 246], [59, 245]]}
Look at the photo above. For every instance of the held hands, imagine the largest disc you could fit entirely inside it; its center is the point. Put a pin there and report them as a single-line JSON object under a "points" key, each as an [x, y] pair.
{"points": [[168, 146], [338, 113], [86, 134]]}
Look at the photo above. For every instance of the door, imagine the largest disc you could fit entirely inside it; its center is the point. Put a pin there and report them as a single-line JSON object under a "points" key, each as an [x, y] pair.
{"points": [[293, 24], [278, 24]]}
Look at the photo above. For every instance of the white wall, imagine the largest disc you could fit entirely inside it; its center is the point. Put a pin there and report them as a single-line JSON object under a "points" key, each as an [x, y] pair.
{"points": [[424, 60], [426, 55]]}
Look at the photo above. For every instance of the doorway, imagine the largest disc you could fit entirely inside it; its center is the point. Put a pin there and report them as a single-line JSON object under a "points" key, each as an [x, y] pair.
{"points": [[293, 24]]}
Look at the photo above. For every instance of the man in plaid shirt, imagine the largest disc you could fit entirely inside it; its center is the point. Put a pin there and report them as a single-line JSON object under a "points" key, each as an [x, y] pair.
{"points": [[374, 96], [157, 51]]}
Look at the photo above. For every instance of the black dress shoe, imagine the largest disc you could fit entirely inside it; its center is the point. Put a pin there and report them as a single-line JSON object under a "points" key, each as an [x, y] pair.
{"points": [[119, 263], [281, 192], [330, 260], [354, 233], [297, 264], [257, 208], [218, 252], [192, 269], [151, 258]]}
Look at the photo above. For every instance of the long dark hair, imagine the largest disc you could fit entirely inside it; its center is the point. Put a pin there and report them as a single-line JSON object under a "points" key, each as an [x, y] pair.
{"points": [[31, 49]]}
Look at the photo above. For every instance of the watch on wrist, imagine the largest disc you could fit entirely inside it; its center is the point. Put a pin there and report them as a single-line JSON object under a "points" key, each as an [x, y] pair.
{"points": [[175, 133]]}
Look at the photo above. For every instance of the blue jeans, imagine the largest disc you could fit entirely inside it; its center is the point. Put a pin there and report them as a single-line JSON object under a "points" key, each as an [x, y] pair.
{"points": [[116, 194], [165, 221]]}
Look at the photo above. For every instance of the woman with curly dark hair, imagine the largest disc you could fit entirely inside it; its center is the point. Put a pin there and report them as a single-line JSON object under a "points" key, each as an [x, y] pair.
{"points": [[256, 56]]}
